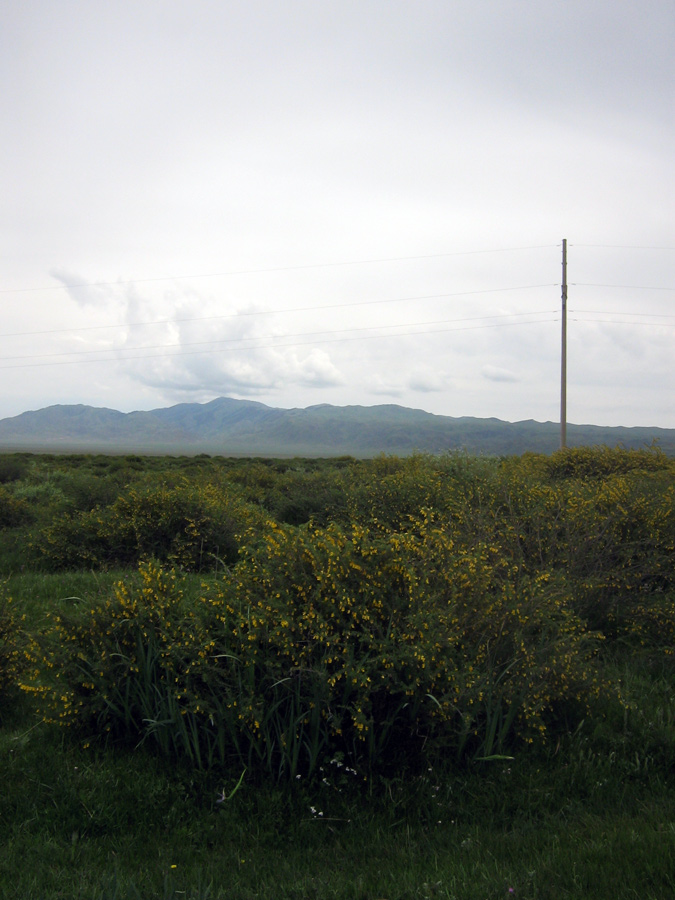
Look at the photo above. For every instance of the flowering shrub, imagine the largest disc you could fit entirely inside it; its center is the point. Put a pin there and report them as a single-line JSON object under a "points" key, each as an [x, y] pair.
{"points": [[123, 669], [13, 510], [609, 528], [323, 641], [452, 608], [188, 525], [12, 659], [599, 462], [418, 639], [390, 490], [610, 536]]}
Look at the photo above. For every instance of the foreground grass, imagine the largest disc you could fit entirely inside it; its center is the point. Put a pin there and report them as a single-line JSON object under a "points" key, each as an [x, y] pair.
{"points": [[120, 824]]}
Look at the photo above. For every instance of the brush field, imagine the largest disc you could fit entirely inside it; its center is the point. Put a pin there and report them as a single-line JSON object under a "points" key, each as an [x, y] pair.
{"points": [[421, 677]]}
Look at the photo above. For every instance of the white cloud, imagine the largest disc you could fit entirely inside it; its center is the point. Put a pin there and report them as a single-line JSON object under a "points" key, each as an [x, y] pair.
{"points": [[81, 291], [316, 370], [190, 352], [426, 380], [495, 373], [382, 387]]}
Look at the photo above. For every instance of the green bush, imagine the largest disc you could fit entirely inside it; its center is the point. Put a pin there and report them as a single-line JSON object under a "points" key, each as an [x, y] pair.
{"points": [[618, 549], [88, 490], [13, 467], [192, 526], [388, 650], [13, 660], [599, 462], [455, 607], [14, 511], [389, 490]]}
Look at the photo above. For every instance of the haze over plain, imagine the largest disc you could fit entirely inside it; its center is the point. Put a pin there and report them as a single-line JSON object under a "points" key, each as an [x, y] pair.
{"points": [[349, 203]]}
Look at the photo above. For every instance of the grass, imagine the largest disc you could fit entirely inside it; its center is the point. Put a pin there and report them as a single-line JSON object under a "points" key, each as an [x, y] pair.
{"points": [[592, 818], [40, 593], [122, 824]]}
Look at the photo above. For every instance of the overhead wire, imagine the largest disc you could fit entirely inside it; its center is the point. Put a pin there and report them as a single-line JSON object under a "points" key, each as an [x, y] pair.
{"points": [[282, 336], [275, 346], [629, 287], [236, 344], [255, 271], [622, 246], [620, 322], [602, 312], [269, 312]]}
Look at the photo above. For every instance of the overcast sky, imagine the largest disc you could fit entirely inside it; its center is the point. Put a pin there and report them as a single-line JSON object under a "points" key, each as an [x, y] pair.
{"points": [[339, 201]]}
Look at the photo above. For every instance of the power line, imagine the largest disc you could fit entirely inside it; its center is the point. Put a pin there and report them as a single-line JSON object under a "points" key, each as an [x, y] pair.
{"points": [[622, 247], [630, 287], [285, 336], [603, 312], [269, 312], [620, 322], [324, 265], [276, 346]]}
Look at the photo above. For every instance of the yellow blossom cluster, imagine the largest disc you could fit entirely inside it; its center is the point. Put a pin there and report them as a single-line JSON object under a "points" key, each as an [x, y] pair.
{"points": [[446, 608]]}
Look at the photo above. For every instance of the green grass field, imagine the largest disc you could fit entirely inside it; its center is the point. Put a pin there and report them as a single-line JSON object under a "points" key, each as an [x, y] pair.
{"points": [[385, 679]]}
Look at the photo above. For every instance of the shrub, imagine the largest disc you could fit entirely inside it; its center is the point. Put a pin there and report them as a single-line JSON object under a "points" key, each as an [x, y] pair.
{"points": [[12, 467], [387, 649], [599, 462], [192, 526], [454, 608], [299, 497], [12, 658], [122, 669], [610, 538], [389, 490], [617, 550], [88, 490], [14, 511]]}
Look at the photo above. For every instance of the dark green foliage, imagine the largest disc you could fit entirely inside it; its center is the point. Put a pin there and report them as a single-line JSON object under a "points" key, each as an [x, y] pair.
{"points": [[457, 606], [525, 556], [598, 462], [13, 662], [87, 491], [193, 526], [302, 496], [13, 466], [14, 511]]}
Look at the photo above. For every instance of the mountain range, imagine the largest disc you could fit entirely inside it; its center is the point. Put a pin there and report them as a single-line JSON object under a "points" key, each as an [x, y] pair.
{"points": [[241, 427]]}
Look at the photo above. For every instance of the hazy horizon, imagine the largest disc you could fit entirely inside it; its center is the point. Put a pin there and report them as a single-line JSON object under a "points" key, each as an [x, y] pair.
{"points": [[336, 406]]}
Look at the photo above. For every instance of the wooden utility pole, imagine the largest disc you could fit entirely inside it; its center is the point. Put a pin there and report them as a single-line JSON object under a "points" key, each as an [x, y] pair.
{"points": [[563, 352]]}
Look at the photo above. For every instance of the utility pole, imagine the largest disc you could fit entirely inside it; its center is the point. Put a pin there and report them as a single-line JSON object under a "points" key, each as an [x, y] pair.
{"points": [[563, 353]]}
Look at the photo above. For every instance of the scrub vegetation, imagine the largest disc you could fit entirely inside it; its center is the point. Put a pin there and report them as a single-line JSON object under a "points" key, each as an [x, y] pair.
{"points": [[409, 677]]}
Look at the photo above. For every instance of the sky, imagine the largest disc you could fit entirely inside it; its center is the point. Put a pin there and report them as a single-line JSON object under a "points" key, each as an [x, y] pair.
{"points": [[339, 201]]}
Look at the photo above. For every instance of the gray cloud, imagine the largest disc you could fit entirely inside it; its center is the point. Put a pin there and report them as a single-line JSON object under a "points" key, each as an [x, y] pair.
{"points": [[426, 380], [255, 374], [495, 373], [190, 352], [79, 290]]}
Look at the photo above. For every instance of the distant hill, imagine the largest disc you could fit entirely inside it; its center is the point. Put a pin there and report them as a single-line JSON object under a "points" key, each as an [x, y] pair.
{"points": [[242, 427]]}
